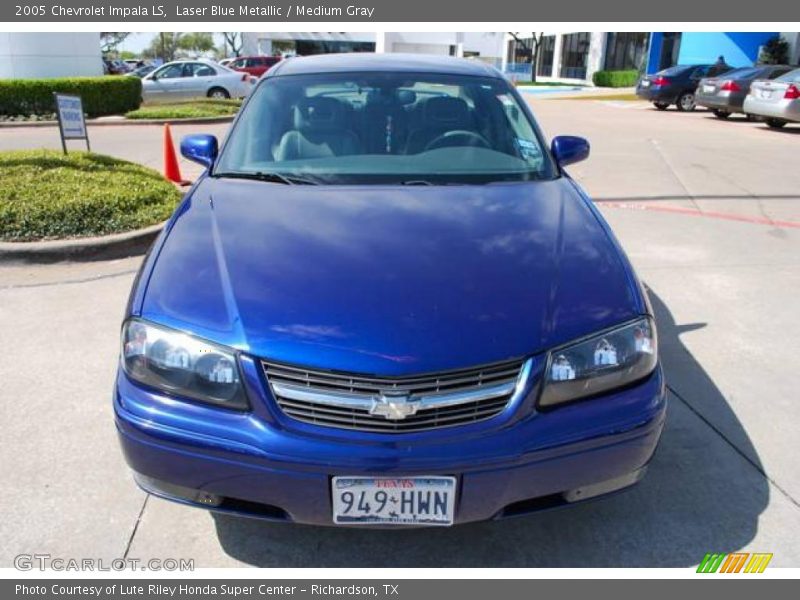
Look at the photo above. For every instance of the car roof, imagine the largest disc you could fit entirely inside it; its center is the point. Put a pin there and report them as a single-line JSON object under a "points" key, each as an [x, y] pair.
{"points": [[366, 62], [190, 60]]}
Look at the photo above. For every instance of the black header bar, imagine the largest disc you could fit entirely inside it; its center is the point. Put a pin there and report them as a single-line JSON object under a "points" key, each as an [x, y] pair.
{"points": [[440, 11]]}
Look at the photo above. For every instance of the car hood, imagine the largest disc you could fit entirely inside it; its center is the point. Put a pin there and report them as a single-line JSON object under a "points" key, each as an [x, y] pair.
{"points": [[389, 280]]}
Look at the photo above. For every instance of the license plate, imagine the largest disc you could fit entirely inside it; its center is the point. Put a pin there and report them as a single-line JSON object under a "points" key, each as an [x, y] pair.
{"points": [[766, 94], [645, 83], [393, 501], [708, 89]]}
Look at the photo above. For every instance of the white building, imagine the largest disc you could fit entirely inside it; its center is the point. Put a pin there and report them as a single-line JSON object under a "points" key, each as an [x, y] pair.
{"points": [[51, 54], [488, 47], [573, 57], [564, 57]]}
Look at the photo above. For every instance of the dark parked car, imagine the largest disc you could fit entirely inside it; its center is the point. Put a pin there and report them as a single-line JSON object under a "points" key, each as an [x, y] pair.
{"points": [[142, 71], [115, 67], [725, 95], [677, 85]]}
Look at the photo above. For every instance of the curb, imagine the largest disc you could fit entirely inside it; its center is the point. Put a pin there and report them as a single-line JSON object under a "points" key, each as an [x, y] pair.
{"points": [[123, 122], [106, 247]]}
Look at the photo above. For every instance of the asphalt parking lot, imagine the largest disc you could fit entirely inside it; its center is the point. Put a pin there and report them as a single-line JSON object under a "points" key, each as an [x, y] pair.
{"points": [[708, 211]]}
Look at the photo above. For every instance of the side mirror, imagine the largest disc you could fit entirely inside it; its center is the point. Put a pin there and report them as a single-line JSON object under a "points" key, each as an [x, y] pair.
{"points": [[200, 148], [568, 149]]}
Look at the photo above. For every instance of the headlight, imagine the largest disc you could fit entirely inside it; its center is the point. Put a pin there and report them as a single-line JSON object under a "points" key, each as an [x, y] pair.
{"points": [[600, 363], [181, 364]]}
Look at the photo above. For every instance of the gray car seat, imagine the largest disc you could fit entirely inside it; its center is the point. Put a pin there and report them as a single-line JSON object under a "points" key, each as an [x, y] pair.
{"points": [[321, 129], [440, 115]]}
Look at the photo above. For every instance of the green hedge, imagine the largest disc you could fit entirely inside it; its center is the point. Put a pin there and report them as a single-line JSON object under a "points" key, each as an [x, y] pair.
{"points": [[615, 79], [108, 95]]}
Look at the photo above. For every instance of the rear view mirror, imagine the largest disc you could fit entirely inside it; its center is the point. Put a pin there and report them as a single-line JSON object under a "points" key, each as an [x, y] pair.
{"points": [[568, 149], [200, 148]]}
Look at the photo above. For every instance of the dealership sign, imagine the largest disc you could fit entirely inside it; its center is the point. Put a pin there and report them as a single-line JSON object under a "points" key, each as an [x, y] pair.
{"points": [[71, 123]]}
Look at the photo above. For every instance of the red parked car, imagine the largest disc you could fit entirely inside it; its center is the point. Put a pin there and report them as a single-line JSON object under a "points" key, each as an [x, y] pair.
{"points": [[254, 65]]}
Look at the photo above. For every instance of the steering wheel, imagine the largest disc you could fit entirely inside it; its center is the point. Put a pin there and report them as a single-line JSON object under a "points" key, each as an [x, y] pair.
{"points": [[458, 137]]}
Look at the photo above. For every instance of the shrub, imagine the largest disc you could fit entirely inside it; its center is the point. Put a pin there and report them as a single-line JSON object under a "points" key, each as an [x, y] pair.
{"points": [[106, 95], [193, 109], [46, 195], [615, 79]]}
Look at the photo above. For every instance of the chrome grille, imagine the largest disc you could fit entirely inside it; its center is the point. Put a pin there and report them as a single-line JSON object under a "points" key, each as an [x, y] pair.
{"points": [[395, 404]]}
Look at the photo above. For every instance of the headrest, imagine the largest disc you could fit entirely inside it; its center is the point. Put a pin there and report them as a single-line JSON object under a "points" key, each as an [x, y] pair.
{"points": [[443, 111], [406, 96], [319, 115]]}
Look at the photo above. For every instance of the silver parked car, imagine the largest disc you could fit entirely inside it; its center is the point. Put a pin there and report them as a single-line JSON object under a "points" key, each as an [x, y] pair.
{"points": [[778, 101], [184, 79], [725, 94]]}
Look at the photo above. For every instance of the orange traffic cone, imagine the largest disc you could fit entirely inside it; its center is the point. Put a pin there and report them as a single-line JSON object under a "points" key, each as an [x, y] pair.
{"points": [[171, 169]]}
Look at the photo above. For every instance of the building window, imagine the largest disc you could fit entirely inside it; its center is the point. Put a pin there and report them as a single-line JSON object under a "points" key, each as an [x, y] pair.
{"points": [[311, 47], [520, 51], [545, 59], [670, 49], [625, 51], [574, 55]]}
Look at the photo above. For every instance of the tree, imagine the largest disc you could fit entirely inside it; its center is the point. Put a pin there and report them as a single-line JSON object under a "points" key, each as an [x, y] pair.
{"points": [[234, 41], [196, 43], [775, 52], [110, 40], [531, 49], [164, 45]]}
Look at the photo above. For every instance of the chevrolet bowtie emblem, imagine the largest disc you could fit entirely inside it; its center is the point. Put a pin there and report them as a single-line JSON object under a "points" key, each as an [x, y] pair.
{"points": [[394, 407]]}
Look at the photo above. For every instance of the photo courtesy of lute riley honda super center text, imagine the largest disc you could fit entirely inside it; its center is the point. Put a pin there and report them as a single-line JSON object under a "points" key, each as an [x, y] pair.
{"points": [[157, 10], [172, 590]]}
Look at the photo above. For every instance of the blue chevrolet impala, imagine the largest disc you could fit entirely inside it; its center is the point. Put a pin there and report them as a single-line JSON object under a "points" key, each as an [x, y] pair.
{"points": [[386, 303]]}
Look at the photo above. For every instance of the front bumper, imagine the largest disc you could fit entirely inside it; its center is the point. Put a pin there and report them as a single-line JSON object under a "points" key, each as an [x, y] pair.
{"points": [[504, 467]]}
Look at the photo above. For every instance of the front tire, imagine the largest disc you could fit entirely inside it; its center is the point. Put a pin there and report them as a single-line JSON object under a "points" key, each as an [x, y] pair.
{"points": [[661, 105], [721, 114], [218, 93], [686, 102], [775, 123]]}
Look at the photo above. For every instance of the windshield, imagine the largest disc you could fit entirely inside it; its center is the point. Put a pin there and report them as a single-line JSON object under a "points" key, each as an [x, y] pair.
{"points": [[674, 70], [743, 73], [346, 128]]}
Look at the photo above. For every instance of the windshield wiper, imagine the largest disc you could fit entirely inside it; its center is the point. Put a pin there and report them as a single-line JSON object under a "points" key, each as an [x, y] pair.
{"points": [[270, 176], [416, 182]]}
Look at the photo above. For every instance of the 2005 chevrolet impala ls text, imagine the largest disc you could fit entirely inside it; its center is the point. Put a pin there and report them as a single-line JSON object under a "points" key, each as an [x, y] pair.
{"points": [[386, 303]]}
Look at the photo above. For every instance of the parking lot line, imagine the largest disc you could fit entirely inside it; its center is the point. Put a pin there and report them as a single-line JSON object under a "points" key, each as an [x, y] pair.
{"points": [[701, 213]]}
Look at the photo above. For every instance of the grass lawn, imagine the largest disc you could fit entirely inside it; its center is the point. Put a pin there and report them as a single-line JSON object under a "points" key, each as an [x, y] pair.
{"points": [[189, 109], [46, 195]]}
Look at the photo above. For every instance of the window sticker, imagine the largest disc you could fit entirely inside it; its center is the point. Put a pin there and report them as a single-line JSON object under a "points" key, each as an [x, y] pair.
{"points": [[529, 149], [505, 99]]}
